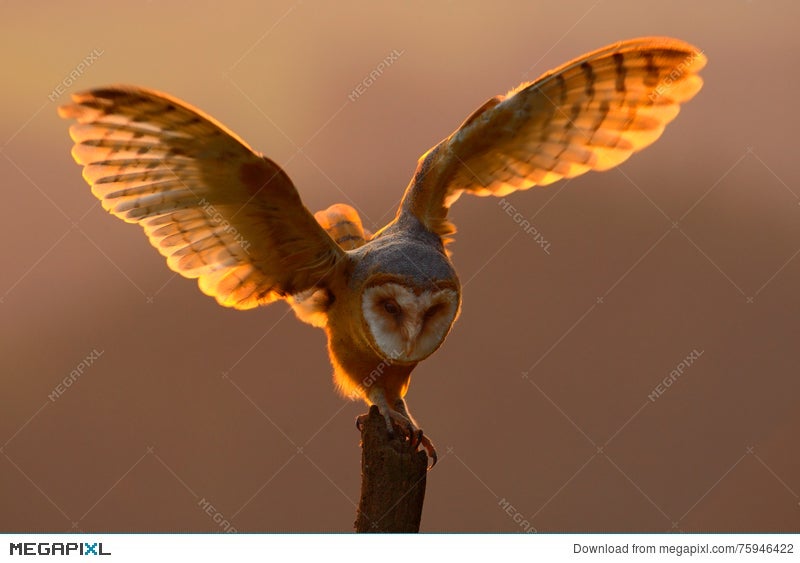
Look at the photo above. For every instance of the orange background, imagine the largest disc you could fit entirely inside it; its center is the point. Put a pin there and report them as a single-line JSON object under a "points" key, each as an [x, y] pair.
{"points": [[539, 398]]}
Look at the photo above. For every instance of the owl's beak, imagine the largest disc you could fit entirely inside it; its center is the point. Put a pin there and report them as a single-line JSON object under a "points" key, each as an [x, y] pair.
{"points": [[411, 338]]}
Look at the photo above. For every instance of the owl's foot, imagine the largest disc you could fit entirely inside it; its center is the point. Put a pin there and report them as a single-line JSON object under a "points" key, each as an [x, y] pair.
{"points": [[415, 434], [399, 423]]}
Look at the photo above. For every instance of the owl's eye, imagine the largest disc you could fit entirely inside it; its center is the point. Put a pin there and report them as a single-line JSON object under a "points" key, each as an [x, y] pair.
{"points": [[391, 307], [433, 311]]}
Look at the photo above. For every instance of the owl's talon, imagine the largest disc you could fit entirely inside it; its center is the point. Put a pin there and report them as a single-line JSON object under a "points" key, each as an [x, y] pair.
{"points": [[429, 448], [416, 438], [400, 424]]}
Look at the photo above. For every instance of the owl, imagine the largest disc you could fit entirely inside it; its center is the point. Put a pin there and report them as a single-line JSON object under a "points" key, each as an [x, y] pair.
{"points": [[231, 218]]}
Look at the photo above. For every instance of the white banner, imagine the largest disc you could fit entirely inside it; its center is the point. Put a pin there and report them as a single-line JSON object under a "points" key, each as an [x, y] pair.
{"points": [[441, 548]]}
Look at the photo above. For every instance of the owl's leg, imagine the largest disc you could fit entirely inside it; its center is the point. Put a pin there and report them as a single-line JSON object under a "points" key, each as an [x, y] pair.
{"points": [[401, 406], [392, 416]]}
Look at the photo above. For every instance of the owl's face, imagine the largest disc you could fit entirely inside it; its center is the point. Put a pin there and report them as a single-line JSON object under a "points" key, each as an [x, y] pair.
{"points": [[405, 325]]}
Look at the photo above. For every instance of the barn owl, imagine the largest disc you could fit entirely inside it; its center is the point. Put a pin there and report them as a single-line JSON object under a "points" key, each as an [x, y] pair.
{"points": [[231, 218]]}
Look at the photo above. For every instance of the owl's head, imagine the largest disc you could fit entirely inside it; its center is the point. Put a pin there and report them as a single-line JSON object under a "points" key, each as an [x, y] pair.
{"points": [[406, 323]]}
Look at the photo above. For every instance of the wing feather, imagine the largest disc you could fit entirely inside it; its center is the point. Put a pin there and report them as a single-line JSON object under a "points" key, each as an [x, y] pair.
{"points": [[215, 209], [592, 113]]}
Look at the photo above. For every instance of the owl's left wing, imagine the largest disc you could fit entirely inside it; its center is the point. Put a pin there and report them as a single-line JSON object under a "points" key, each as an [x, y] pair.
{"points": [[589, 114], [215, 209]]}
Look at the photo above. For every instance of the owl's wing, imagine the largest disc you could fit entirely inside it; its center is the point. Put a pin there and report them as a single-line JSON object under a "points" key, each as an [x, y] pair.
{"points": [[589, 114], [343, 224], [215, 209]]}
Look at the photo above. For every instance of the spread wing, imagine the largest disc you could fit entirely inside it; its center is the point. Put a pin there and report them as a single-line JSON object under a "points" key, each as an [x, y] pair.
{"points": [[589, 114], [215, 209]]}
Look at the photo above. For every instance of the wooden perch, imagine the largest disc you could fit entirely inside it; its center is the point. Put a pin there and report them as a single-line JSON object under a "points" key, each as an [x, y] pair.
{"points": [[393, 480]]}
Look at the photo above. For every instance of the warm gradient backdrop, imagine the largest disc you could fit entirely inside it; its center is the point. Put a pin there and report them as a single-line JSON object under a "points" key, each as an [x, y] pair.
{"points": [[541, 401]]}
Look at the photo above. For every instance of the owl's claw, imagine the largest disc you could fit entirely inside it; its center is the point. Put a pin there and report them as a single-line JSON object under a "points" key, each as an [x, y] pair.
{"points": [[396, 419], [425, 442], [399, 425]]}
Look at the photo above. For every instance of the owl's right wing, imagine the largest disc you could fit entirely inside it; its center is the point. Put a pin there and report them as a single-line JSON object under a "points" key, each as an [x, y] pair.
{"points": [[590, 114], [215, 209]]}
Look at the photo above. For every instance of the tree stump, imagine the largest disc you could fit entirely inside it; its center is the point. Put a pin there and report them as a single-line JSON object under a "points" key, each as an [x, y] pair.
{"points": [[393, 478]]}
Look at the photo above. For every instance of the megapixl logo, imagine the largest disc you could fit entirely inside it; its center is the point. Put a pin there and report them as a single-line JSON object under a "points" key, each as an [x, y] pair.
{"points": [[52, 548]]}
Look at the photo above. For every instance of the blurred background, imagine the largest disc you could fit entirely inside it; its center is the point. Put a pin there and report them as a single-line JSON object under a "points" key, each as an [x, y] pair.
{"points": [[639, 375]]}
